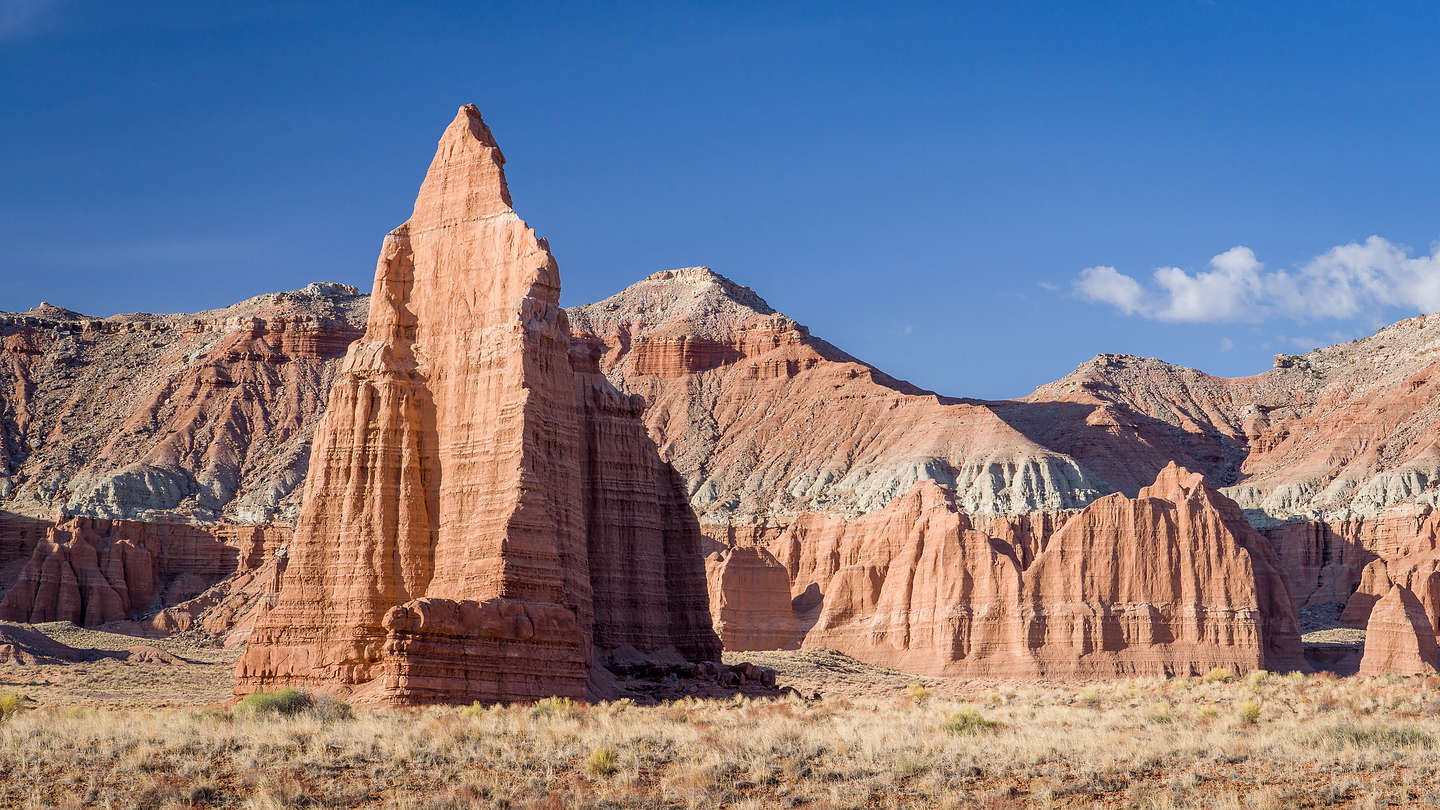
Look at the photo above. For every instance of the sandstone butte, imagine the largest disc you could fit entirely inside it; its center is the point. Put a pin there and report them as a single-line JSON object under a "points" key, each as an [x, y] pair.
{"points": [[482, 520], [188, 438]]}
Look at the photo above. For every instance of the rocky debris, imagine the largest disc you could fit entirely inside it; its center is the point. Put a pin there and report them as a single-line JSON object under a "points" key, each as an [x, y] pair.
{"points": [[481, 518], [652, 682], [1398, 637]]}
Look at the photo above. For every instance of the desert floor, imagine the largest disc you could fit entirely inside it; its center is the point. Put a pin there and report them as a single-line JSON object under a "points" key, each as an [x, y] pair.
{"points": [[114, 734]]}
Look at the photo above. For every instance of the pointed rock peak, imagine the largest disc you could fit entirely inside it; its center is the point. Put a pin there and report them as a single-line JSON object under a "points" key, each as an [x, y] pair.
{"points": [[706, 303], [704, 276], [1175, 483], [1398, 637], [466, 180], [468, 118]]}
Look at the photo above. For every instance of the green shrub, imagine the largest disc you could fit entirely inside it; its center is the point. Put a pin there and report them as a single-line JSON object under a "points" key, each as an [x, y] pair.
{"points": [[968, 723], [919, 692], [285, 703], [10, 704], [602, 761], [290, 702], [1249, 712]]}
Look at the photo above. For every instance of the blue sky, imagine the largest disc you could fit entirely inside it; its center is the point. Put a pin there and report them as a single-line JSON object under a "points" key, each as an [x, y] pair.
{"points": [[973, 197]]}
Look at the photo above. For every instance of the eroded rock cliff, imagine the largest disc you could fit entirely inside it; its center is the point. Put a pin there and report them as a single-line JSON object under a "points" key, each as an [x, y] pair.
{"points": [[169, 418], [1173, 581]]}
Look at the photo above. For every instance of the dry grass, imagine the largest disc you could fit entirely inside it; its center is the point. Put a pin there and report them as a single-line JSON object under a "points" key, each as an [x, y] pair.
{"points": [[209, 678], [1278, 741]]}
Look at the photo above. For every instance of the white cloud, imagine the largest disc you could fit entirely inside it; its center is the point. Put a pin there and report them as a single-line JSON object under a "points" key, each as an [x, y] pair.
{"points": [[1110, 286], [1227, 345], [1346, 281]]}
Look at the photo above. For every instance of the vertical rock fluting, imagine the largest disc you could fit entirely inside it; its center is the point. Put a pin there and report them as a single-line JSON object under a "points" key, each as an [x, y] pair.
{"points": [[458, 491], [94, 572], [1171, 582], [645, 567]]}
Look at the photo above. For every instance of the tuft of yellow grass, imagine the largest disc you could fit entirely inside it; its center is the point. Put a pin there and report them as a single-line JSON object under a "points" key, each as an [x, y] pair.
{"points": [[10, 704], [602, 761]]}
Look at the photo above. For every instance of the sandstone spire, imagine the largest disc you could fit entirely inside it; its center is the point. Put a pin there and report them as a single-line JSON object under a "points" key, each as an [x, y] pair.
{"points": [[442, 549]]}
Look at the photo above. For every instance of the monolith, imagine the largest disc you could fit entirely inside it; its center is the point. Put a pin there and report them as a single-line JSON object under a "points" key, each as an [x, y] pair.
{"points": [[443, 550]]}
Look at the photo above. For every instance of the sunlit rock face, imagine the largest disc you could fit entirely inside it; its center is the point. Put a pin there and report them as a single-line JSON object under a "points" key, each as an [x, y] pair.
{"points": [[466, 482]]}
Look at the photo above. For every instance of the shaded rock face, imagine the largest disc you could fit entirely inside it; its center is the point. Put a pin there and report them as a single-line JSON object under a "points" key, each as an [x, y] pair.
{"points": [[169, 418], [1171, 582], [1399, 638], [1414, 568], [479, 519]]}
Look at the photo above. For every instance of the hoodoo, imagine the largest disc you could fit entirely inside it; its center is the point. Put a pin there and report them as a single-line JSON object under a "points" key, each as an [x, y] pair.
{"points": [[481, 519]]}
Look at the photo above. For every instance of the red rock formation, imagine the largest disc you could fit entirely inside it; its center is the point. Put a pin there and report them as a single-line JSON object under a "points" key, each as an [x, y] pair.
{"points": [[1414, 567], [643, 540], [94, 572], [750, 600], [1172, 582], [1399, 638], [911, 586], [461, 499]]}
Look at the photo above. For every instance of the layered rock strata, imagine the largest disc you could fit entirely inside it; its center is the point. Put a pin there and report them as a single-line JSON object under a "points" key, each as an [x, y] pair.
{"points": [[750, 604], [1174, 581], [169, 418], [480, 521]]}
